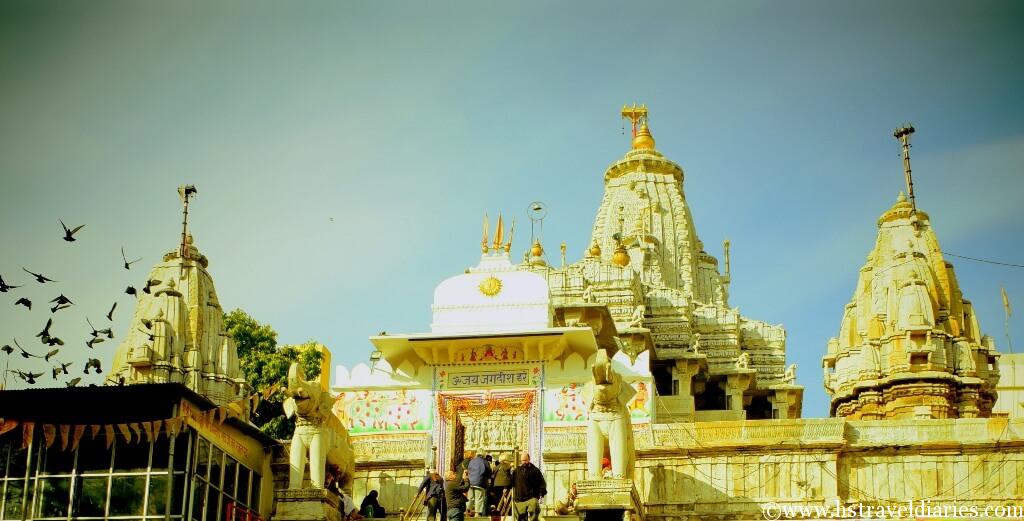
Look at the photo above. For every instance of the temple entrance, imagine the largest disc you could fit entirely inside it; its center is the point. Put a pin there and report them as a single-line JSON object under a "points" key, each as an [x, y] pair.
{"points": [[491, 423]]}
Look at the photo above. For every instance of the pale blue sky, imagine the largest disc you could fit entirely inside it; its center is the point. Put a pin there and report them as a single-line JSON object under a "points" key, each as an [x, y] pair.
{"points": [[406, 121]]}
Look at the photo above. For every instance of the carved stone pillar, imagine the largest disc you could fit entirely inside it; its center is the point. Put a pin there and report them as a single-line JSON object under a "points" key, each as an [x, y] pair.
{"points": [[683, 372], [735, 385]]}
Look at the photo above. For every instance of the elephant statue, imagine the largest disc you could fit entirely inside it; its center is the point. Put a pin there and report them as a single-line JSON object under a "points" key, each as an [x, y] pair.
{"points": [[318, 433], [609, 429]]}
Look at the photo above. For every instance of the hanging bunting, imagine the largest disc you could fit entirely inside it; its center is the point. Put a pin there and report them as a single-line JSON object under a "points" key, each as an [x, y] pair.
{"points": [[108, 430], [77, 436], [7, 426], [156, 429], [147, 427], [95, 429], [27, 429], [49, 433], [136, 431], [64, 439], [173, 425], [123, 427]]}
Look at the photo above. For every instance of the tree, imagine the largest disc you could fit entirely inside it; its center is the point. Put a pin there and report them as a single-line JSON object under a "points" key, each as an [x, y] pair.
{"points": [[264, 363]]}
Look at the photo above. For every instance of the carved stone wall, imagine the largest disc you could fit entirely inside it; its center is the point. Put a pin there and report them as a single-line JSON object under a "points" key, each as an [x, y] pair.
{"points": [[730, 470]]}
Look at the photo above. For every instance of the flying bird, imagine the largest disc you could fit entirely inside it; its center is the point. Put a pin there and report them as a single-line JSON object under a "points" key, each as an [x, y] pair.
{"points": [[131, 291], [128, 263], [94, 341], [97, 332], [7, 349], [24, 354], [147, 333], [149, 284], [74, 381], [39, 277], [29, 377], [23, 302], [62, 302], [93, 363], [53, 341], [51, 354], [147, 322], [69, 234], [110, 315], [4, 286], [61, 369], [46, 330]]}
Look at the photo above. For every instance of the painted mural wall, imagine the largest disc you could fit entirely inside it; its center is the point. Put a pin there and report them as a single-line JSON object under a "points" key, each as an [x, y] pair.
{"points": [[384, 410], [567, 404]]}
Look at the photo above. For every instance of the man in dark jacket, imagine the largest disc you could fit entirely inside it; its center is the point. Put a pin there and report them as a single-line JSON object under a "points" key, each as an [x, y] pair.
{"points": [[455, 495], [479, 475], [502, 478], [434, 497], [528, 487]]}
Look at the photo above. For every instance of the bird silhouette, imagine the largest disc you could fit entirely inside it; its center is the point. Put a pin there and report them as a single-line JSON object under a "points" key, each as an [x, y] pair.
{"points": [[128, 263], [69, 234], [93, 363], [147, 322], [29, 377], [110, 315], [23, 302], [39, 277], [97, 332], [7, 348], [24, 354], [4, 286], [148, 334], [74, 381], [94, 341], [53, 341], [149, 284], [109, 332], [61, 369], [51, 354], [131, 291], [62, 302]]}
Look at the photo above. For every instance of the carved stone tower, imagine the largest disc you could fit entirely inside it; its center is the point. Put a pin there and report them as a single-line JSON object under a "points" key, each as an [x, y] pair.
{"points": [[666, 293], [177, 332], [909, 344]]}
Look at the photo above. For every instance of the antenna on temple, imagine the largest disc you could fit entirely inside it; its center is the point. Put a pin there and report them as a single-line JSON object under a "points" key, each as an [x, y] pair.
{"points": [[186, 192], [903, 135], [636, 115], [483, 245], [511, 232]]}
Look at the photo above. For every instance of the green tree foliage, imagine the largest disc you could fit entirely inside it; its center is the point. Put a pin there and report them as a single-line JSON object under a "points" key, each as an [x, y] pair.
{"points": [[264, 363]]}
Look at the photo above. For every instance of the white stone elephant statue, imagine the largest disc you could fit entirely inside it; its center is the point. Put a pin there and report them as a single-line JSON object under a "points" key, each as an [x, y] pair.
{"points": [[610, 431], [318, 433]]}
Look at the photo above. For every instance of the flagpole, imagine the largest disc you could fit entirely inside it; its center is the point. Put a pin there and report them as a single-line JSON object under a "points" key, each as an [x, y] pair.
{"points": [[1007, 312]]}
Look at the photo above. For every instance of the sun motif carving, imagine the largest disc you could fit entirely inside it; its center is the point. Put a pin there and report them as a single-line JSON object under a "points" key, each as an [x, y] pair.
{"points": [[490, 286]]}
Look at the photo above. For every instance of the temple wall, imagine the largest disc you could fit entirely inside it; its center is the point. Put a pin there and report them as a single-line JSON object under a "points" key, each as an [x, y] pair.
{"points": [[731, 469]]}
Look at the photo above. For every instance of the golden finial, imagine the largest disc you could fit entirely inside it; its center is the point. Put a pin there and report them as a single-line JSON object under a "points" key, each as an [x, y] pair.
{"points": [[483, 245], [499, 233], [903, 135], [536, 250], [637, 116], [595, 250], [621, 257], [511, 232]]}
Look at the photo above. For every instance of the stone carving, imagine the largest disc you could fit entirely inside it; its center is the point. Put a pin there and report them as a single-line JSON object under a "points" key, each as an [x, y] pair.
{"points": [[965, 364], [790, 374], [743, 361], [637, 318], [318, 432], [609, 421]]}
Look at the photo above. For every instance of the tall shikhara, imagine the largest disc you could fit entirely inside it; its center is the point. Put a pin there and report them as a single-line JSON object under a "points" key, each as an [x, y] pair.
{"points": [[909, 344], [177, 333], [667, 294]]}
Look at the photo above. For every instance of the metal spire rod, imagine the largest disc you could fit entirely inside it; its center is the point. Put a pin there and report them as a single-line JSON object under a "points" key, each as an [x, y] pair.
{"points": [[186, 192], [903, 135]]}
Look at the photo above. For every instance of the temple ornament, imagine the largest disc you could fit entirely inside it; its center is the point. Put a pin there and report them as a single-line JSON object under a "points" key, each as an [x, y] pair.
{"points": [[318, 432], [609, 424]]}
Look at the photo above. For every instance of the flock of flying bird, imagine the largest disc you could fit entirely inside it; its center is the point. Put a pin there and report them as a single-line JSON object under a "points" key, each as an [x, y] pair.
{"points": [[52, 343]]}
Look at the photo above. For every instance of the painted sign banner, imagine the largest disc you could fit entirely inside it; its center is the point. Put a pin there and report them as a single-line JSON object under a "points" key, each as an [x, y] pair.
{"points": [[498, 378]]}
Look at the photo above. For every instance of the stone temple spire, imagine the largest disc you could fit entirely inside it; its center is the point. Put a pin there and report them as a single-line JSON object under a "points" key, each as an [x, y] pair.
{"points": [[909, 344], [177, 332]]}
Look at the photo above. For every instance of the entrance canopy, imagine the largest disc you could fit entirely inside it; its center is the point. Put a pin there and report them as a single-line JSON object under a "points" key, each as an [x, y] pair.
{"points": [[546, 344]]}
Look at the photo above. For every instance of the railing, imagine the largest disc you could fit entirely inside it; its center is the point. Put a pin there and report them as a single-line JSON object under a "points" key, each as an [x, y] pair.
{"points": [[235, 512], [415, 506]]}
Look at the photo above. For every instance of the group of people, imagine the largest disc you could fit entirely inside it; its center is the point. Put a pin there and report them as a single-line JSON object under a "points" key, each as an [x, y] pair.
{"points": [[370, 507], [477, 485]]}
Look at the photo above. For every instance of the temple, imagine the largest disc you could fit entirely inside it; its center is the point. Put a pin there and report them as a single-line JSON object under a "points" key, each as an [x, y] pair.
{"points": [[177, 333]]}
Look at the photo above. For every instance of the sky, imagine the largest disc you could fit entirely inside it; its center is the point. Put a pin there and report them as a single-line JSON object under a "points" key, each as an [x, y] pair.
{"points": [[345, 152]]}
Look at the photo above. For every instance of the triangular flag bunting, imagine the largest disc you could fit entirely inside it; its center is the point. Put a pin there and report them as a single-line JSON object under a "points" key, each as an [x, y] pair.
{"points": [[49, 434], [7, 426], [64, 431], [123, 427], [108, 430], [135, 429], [77, 436], [94, 429], [147, 427], [27, 429], [157, 425]]}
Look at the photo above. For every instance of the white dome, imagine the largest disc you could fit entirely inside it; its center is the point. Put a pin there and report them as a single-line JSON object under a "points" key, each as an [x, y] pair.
{"points": [[492, 297]]}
